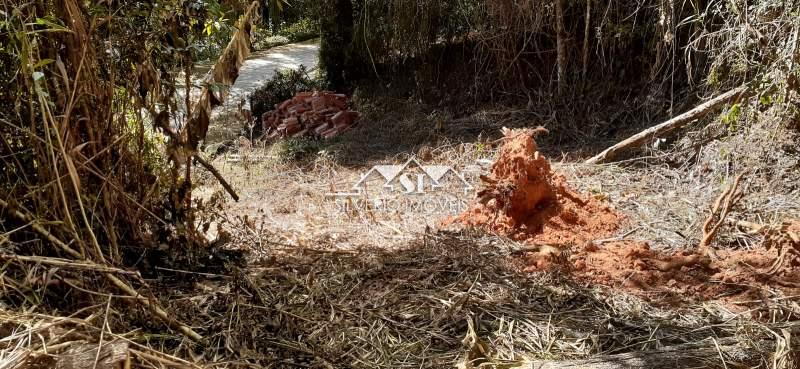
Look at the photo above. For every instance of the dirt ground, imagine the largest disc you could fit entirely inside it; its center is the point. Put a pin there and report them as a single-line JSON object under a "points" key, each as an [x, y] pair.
{"points": [[602, 225], [601, 260]]}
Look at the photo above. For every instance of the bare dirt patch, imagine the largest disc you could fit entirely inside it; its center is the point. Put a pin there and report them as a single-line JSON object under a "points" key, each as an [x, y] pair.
{"points": [[672, 278]]}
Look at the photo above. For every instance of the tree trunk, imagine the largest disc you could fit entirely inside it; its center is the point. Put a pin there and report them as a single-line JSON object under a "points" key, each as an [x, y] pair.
{"points": [[336, 23], [561, 47]]}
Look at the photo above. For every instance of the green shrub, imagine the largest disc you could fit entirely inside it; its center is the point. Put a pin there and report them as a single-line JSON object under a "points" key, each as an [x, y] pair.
{"points": [[283, 86], [296, 149], [302, 30], [270, 42]]}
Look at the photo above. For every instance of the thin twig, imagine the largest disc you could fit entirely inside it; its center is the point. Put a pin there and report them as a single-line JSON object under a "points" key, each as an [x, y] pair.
{"points": [[218, 176], [66, 263]]}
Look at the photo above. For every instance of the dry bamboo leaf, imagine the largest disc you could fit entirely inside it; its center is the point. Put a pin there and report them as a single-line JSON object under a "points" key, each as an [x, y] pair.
{"points": [[73, 172], [112, 356]]}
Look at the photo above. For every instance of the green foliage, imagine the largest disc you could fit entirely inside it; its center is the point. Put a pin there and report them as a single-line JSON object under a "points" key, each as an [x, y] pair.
{"points": [[296, 149], [301, 30], [766, 100], [282, 87], [268, 42], [217, 28], [304, 29], [714, 78], [731, 116]]}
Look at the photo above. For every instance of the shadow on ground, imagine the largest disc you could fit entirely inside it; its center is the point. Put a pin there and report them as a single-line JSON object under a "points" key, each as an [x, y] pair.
{"points": [[392, 128], [413, 307]]}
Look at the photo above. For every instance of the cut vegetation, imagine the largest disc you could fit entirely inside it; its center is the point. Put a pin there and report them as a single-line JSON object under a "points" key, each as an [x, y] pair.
{"points": [[455, 184]]}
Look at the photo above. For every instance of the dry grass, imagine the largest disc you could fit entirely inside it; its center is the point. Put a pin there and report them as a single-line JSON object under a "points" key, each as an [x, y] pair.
{"points": [[668, 193], [410, 308], [404, 308], [293, 200]]}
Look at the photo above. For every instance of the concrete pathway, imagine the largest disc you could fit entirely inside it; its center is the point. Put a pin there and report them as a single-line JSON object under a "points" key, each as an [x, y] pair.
{"points": [[257, 69]]}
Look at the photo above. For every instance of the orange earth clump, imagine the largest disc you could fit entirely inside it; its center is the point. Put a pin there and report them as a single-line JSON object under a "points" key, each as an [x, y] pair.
{"points": [[524, 199], [674, 277]]}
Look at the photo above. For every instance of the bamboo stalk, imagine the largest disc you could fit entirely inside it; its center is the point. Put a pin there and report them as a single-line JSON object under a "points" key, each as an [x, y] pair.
{"points": [[66, 263]]}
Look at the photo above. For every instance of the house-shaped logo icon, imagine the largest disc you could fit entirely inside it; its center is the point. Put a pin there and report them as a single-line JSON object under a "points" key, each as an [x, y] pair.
{"points": [[411, 178]]}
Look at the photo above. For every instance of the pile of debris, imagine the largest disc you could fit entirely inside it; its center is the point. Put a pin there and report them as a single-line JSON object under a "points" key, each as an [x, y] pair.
{"points": [[310, 113]]}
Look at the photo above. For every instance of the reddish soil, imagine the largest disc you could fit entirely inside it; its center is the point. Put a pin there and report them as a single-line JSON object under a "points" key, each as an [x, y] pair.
{"points": [[522, 198], [525, 200], [737, 275]]}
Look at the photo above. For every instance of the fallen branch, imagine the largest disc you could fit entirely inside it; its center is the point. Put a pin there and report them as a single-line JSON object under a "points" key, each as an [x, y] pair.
{"points": [[675, 123], [218, 176]]}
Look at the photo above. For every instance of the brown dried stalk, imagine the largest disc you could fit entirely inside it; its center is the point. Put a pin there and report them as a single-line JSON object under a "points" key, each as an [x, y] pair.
{"points": [[125, 287], [722, 206], [779, 235]]}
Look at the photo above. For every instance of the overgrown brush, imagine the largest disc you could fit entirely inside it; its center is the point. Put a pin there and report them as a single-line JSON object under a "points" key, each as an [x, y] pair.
{"points": [[302, 30], [534, 49], [97, 158]]}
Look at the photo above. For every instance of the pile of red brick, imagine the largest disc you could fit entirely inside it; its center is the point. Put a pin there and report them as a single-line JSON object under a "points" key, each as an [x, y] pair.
{"points": [[311, 113]]}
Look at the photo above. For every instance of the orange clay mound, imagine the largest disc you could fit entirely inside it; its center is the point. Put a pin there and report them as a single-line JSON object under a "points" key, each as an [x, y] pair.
{"points": [[523, 198]]}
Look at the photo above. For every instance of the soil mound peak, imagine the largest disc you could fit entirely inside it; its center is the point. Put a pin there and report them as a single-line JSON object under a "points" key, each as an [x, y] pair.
{"points": [[523, 198]]}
